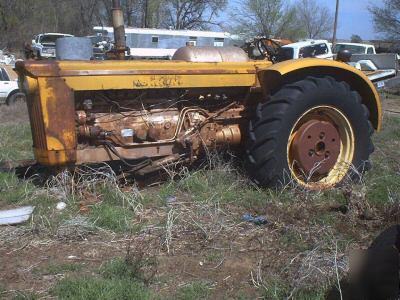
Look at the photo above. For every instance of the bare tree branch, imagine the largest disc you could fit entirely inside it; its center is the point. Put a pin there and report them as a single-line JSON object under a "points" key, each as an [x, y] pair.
{"points": [[386, 18], [189, 14], [316, 20], [270, 18]]}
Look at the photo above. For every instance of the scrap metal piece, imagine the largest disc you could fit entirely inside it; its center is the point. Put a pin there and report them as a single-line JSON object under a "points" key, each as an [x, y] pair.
{"points": [[16, 216]]}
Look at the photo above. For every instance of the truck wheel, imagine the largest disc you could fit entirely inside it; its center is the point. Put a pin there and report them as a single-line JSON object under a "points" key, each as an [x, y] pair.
{"points": [[16, 97], [314, 132]]}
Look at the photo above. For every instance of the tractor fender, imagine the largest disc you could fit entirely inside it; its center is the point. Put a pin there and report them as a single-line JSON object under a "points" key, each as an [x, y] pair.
{"points": [[273, 77]]}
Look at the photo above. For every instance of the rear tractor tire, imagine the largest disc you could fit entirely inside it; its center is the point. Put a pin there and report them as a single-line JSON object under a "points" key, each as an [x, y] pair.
{"points": [[314, 132]]}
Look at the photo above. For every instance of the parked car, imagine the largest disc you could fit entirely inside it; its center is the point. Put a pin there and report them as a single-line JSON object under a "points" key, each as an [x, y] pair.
{"points": [[44, 45], [305, 49], [355, 48], [9, 90]]}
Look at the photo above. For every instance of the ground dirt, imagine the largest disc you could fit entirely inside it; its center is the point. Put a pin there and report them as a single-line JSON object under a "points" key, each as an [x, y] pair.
{"points": [[185, 238]]}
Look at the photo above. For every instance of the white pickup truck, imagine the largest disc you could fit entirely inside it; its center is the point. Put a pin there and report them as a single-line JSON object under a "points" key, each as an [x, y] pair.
{"points": [[378, 67], [307, 48], [44, 45], [354, 48], [9, 90]]}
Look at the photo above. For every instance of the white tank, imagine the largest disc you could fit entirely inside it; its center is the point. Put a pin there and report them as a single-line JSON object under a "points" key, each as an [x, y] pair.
{"points": [[210, 54], [74, 48]]}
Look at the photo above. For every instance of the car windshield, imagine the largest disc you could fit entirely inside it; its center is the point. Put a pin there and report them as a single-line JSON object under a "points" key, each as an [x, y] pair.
{"points": [[313, 50], [50, 39], [285, 53], [354, 49], [97, 39]]}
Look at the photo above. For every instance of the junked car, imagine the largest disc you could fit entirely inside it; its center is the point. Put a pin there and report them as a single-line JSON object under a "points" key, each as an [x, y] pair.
{"points": [[44, 45], [101, 44], [306, 49], [9, 90], [355, 48]]}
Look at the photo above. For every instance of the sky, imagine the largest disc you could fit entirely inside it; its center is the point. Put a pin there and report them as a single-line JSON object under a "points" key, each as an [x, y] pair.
{"points": [[354, 17]]}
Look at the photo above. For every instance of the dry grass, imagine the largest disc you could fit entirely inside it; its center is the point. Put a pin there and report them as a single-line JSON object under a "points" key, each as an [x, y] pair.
{"points": [[187, 237], [14, 114]]}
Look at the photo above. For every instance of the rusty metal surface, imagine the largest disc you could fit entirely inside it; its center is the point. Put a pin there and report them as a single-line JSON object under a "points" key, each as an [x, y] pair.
{"points": [[157, 132], [90, 68], [125, 122], [53, 123], [36, 121], [154, 125], [99, 154], [210, 54], [119, 30], [316, 147], [230, 135]]}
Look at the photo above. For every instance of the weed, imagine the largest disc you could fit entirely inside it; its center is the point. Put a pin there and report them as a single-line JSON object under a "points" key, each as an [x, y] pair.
{"points": [[93, 288], [15, 142], [214, 256], [134, 267], [117, 280], [290, 238], [314, 294], [275, 289], [22, 295], [210, 185], [14, 190], [2, 289], [108, 216], [54, 269], [194, 291]]}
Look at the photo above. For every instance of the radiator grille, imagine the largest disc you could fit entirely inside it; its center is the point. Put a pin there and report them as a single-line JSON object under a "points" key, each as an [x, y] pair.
{"points": [[37, 124]]}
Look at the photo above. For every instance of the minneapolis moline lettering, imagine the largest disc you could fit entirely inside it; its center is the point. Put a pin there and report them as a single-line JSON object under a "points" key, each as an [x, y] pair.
{"points": [[159, 81]]}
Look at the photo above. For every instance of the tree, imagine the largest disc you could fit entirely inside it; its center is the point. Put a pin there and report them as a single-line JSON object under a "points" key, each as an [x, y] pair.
{"points": [[155, 13], [386, 18], [132, 10], [270, 18], [316, 20], [355, 38], [137, 13], [189, 14], [20, 20]]}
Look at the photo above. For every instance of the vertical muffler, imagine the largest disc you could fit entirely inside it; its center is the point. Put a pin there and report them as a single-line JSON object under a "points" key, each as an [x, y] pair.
{"points": [[119, 30]]}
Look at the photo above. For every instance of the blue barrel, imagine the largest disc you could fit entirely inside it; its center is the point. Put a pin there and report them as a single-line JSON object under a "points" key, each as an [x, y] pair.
{"points": [[74, 48]]}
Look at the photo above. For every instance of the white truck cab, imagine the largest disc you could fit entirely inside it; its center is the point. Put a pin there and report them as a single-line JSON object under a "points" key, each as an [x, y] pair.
{"points": [[307, 48], [44, 45], [9, 90], [355, 48]]}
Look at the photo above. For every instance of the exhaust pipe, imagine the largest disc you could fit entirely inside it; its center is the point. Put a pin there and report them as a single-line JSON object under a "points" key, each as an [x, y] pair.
{"points": [[119, 30]]}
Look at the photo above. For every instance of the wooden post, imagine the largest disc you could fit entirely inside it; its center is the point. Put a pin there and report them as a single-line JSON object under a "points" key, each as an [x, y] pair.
{"points": [[336, 24]]}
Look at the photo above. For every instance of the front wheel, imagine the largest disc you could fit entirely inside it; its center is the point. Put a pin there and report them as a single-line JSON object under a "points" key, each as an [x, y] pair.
{"points": [[314, 132], [15, 98]]}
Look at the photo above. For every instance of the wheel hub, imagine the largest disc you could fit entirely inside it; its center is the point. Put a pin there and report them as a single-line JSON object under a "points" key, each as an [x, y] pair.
{"points": [[316, 147]]}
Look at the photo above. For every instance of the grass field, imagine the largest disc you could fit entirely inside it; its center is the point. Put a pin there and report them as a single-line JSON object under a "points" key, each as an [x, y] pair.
{"points": [[185, 238]]}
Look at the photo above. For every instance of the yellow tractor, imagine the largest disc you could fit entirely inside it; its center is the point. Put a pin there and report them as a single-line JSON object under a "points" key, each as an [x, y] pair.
{"points": [[306, 120]]}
